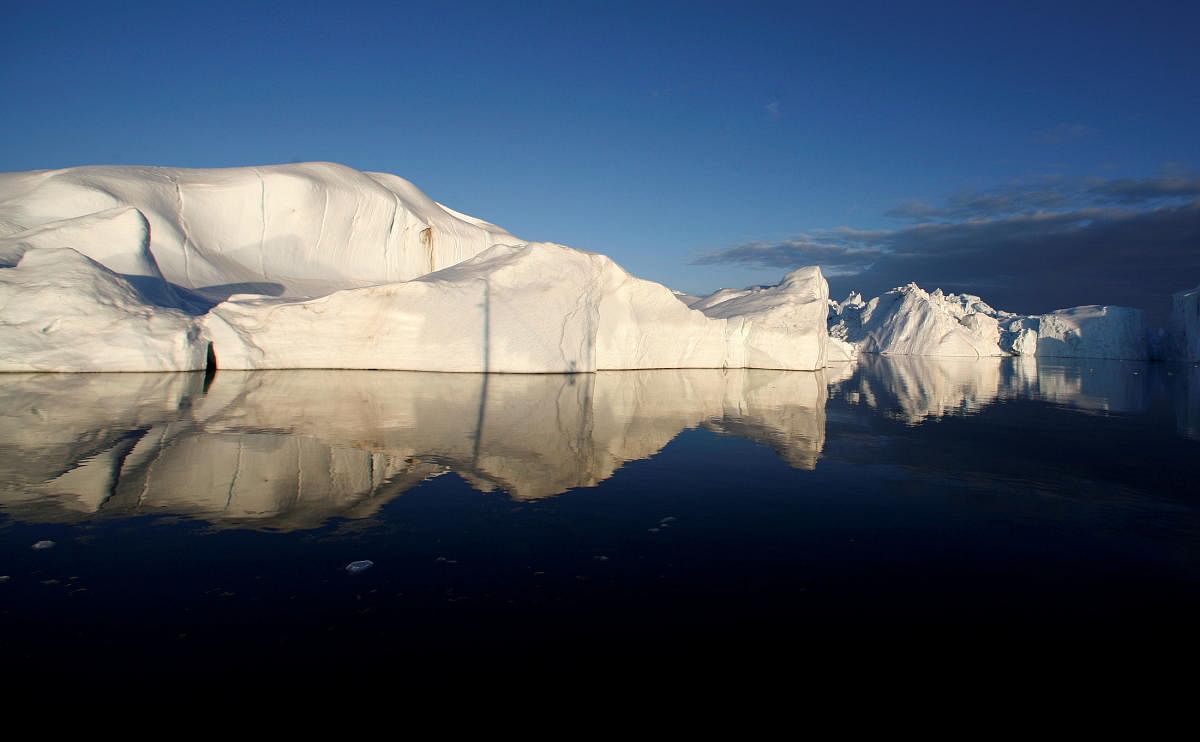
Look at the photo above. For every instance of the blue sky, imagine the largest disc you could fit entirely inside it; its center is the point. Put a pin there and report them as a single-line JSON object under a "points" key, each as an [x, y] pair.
{"points": [[699, 144]]}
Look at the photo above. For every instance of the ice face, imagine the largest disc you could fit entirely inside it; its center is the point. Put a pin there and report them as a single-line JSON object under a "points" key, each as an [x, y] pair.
{"points": [[1093, 332], [531, 309]]}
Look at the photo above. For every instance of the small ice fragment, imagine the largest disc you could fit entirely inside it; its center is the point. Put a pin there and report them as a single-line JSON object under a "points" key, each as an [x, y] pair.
{"points": [[668, 519], [43, 545], [4, 578], [652, 530], [362, 565]]}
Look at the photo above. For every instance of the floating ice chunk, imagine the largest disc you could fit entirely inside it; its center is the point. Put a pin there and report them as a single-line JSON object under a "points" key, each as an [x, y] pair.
{"points": [[43, 545], [362, 565]]}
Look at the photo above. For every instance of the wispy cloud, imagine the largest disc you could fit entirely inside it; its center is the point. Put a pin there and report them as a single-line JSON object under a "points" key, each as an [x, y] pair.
{"points": [[1012, 199], [1039, 246], [1136, 191], [836, 251], [773, 110]]}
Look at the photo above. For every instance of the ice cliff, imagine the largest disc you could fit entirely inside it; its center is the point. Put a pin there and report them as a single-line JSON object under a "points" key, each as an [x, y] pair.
{"points": [[529, 309]]}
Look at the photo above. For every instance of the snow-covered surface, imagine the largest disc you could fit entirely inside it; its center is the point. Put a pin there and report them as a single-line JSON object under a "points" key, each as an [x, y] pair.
{"points": [[289, 230], [1184, 328], [538, 308], [62, 311]]}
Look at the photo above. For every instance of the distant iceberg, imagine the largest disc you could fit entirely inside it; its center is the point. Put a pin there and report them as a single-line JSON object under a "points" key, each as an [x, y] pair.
{"points": [[1184, 330], [911, 321]]}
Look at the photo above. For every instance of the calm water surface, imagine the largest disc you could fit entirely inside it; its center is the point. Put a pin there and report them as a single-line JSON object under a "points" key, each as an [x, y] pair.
{"points": [[207, 523]]}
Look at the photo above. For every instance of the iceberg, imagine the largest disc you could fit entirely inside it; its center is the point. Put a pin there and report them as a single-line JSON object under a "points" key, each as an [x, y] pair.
{"points": [[317, 265], [1184, 328], [1093, 331], [910, 321], [537, 308]]}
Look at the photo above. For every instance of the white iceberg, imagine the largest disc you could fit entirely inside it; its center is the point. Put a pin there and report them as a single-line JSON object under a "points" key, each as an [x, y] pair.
{"points": [[910, 321], [1093, 331], [539, 308], [319, 265]]}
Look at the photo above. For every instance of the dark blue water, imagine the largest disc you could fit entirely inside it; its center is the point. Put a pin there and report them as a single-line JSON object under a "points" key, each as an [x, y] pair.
{"points": [[206, 523]]}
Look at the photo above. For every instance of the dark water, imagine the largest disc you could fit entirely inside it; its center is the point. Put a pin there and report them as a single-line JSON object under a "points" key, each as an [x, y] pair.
{"points": [[640, 516]]}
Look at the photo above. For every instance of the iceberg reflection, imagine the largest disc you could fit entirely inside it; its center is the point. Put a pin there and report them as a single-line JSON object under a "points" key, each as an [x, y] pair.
{"points": [[915, 388], [1184, 385], [290, 449]]}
